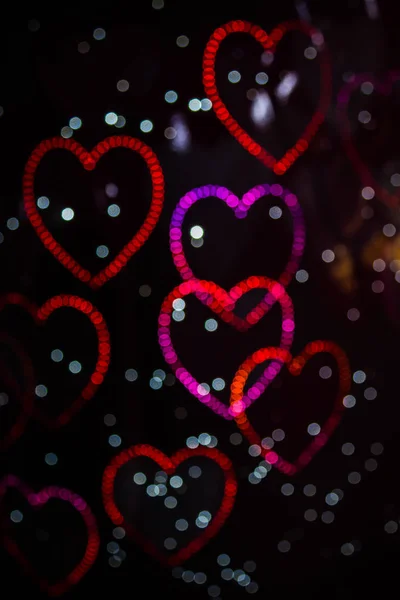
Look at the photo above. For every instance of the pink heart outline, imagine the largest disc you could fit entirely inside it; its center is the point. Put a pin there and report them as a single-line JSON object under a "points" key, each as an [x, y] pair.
{"points": [[223, 303], [240, 208]]}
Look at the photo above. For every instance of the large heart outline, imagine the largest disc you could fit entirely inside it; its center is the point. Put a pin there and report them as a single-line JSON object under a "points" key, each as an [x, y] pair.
{"points": [[223, 303], [40, 316], [268, 42], [88, 160], [383, 86], [38, 500], [240, 208], [169, 465], [26, 395], [295, 366]]}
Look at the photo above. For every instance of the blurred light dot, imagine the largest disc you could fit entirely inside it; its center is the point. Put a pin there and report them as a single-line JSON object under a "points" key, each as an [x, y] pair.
{"points": [[188, 576], [332, 499], [287, 489], [131, 375], [75, 123], [211, 325], [146, 126], [177, 572], [182, 41], [310, 53], [252, 588], [155, 383], [378, 286], [354, 477], [180, 412], [349, 401], [302, 276], [254, 450], [178, 304], [347, 549], [99, 34], [112, 547], [192, 442], [395, 179], [139, 478], [113, 210], [114, 440], [367, 88], [389, 230], [214, 591], [254, 479], [195, 472], [235, 439], [391, 527], [310, 514], [368, 193], [223, 560], [170, 543], [43, 202], [359, 377], [227, 574], [67, 132], [309, 490], [161, 477], [325, 372], [348, 449], [114, 561], [111, 191], [122, 85], [284, 546], [353, 314], [170, 379], [170, 502], [203, 389], [110, 420], [206, 104], [3, 399], [218, 384], [196, 232], [364, 117], [328, 256], [200, 578], [194, 104], [152, 490], [83, 47], [75, 367], [67, 214], [41, 391], [121, 121], [197, 243], [327, 517], [159, 373], [313, 429], [57, 355], [170, 133], [267, 443], [377, 448], [145, 291], [51, 459], [111, 118], [371, 465], [176, 481], [275, 212], [234, 76], [171, 97], [102, 251], [12, 224], [250, 566], [16, 516], [204, 439], [181, 524], [261, 78], [119, 533], [178, 315], [278, 435], [379, 265]]}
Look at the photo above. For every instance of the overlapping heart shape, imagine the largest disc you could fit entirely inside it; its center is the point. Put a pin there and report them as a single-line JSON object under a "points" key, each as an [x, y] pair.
{"points": [[383, 86], [241, 208], [88, 160], [39, 500], [169, 465], [223, 303], [295, 366], [268, 42], [40, 316]]}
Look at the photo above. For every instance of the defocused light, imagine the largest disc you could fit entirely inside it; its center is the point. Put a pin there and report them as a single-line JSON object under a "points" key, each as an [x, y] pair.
{"points": [[178, 304], [377, 286], [353, 314], [102, 251], [113, 210], [111, 118], [170, 133], [302, 276], [131, 375], [157, 4], [182, 41], [83, 47], [43, 202], [146, 126], [122, 85], [325, 372], [328, 256], [121, 122], [194, 104], [110, 420], [16, 516], [218, 384], [367, 193], [41, 391], [364, 117], [389, 230], [66, 132], [12, 224], [75, 367], [262, 111], [114, 440], [287, 489], [261, 78], [67, 214], [211, 325], [196, 232], [145, 291], [370, 393], [275, 212], [349, 401], [310, 53], [75, 123], [347, 549], [206, 104], [286, 87], [313, 429], [99, 34], [234, 76], [367, 88], [51, 459], [284, 546], [348, 449], [171, 97]]}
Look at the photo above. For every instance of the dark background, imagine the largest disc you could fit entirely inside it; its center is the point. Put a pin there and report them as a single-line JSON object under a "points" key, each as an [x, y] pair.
{"points": [[45, 81]]}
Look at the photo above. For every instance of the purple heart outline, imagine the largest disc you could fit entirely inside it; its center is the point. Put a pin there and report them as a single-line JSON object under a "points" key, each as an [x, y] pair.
{"points": [[240, 208]]}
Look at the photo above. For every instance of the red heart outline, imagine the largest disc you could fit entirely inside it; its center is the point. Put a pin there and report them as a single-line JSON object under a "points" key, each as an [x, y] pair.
{"points": [[223, 304], [88, 160], [18, 428], [268, 42], [40, 316], [383, 86], [295, 366], [40, 499], [169, 465]]}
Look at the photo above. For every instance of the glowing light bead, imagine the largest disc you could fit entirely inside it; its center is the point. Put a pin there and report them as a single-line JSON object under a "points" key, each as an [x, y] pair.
{"points": [[206, 104], [155, 383], [376, 448], [235, 439], [310, 53], [192, 442], [194, 104], [325, 372], [328, 256], [110, 420], [67, 214], [176, 481], [302, 276], [170, 133], [204, 439], [310, 514], [196, 232], [379, 265], [278, 435], [368, 193], [287, 489], [395, 180], [75, 123], [218, 384], [51, 459], [160, 374], [284, 546], [43, 202], [223, 560], [391, 527], [262, 78], [122, 85], [41, 391], [119, 533], [178, 315], [367, 88], [234, 76], [349, 401], [170, 543], [170, 502], [370, 464], [364, 117], [114, 440], [178, 304], [353, 314], [145, 291], [67, 132], [348, 449], [113, 210], [389, 230], [111, 118], [131, 375], [347, 549], [139, 478], [181, 524], [12, 224], [313, 429], [354, 477], [309, 490], [211, 325], [188, 576], [327, 517], [182, 41], [331, 499], [171, 97], [275, 212], [102, 251], [195, 472], [227, 574], [16, 516], [146, 126], [83, 47], [112, 547], [359, 377], [75, 367], [99, 34]]}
